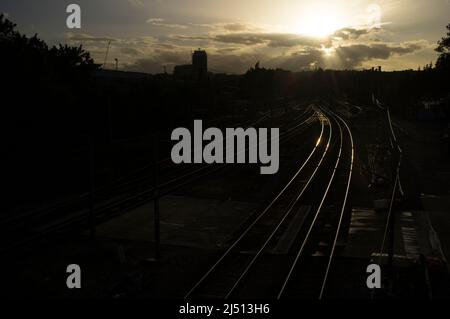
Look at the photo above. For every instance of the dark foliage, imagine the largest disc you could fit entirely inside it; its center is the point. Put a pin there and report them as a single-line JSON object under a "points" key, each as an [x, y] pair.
{"points": [[443, 61]]}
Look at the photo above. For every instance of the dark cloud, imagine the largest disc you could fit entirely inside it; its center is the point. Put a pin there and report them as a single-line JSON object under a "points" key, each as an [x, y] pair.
{"points": [[273, 40], [353, 55], [240, 38], [240, 35], [298, 61], [344, 57], [159, 58], [352, 33]]}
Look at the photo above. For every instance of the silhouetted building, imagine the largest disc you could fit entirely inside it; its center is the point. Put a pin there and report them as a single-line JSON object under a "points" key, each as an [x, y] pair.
{"points": [[375, 69], [200, 63], [183, 72], [195, 71]]}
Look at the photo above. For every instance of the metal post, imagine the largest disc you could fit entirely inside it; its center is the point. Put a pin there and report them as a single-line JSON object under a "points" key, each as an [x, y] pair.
{"points": [[271, 114], [156, 196], [396, 162], [391, 218], [91, 187], [391, 234]]}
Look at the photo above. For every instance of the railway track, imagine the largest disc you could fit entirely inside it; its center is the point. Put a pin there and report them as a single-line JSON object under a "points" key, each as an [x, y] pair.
{"points": [[309, 272], [289, 248]]}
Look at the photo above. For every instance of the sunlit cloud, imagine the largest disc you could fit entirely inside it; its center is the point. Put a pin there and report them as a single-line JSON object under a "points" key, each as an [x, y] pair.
{"points": [[162, 23]]}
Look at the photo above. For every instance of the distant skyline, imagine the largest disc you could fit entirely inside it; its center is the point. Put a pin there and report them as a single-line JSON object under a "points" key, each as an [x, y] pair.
{"points": [[293, 35]]}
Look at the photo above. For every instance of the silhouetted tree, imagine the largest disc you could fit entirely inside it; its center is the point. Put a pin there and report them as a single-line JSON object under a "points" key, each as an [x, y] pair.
{"points": [[443, 61], [32, 55], [67, 57], [6, 28]]}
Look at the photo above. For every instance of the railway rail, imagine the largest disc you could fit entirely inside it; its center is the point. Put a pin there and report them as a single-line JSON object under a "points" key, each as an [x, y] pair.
{"points": [[289, 248]]}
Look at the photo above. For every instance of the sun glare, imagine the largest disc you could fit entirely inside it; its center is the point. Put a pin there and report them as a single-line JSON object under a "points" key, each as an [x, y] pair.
{"points": [[319, 20], [327, 51]]}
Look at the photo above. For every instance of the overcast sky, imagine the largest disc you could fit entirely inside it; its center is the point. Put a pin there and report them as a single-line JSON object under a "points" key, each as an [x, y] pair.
{"points": [[145, 35]]}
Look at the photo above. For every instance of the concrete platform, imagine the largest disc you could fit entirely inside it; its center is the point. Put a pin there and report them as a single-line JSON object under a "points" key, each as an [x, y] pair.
{"points": [[414, 234], [365, 233]]}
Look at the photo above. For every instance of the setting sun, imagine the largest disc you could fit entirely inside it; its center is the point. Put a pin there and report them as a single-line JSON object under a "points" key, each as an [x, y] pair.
{"points": [[319, 20]]}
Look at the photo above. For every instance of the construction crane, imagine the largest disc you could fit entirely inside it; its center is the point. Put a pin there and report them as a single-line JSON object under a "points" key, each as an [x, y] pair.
{"points": [[107, 52]]}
